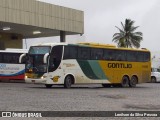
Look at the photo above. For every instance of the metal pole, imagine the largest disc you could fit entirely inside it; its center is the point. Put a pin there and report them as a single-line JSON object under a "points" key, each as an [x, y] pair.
{"points": [[62, 36]]}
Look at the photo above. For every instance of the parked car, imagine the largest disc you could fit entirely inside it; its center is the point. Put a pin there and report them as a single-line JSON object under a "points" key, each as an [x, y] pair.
{"points": [[155, 75]]}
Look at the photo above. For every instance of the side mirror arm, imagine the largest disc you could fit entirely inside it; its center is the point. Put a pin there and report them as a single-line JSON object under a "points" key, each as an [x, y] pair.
{"points": [[21, 57], [45, 60]]}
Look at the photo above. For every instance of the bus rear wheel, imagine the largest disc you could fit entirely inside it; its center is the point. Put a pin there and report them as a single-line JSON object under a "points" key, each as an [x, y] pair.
{"points": [[133, 81], [125, 81], [68, 82]]}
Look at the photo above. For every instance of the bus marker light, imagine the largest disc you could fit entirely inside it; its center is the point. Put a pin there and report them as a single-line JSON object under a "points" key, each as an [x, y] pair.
{"points": [[30, 70], [55, 78]]}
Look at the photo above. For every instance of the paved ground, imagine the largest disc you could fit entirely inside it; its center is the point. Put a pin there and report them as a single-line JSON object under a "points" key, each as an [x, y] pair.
{"points": [[30, 97]]}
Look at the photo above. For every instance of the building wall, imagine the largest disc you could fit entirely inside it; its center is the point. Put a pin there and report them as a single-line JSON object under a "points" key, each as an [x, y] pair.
{"points": [[40, 14], [10, 41]]}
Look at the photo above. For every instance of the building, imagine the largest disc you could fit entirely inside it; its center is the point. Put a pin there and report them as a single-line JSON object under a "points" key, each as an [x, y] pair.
{"points": [[22, 19]]}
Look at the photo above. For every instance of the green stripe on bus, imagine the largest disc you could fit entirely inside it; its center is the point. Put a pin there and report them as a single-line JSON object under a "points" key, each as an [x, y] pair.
{"points": [[96, 68], [92, 69]]}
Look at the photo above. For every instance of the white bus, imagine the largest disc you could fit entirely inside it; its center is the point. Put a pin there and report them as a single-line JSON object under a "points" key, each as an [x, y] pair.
{"points": [[83, 63], [10, 69]]}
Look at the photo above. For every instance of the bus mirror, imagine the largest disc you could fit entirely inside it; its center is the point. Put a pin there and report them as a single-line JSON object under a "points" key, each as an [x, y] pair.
{"points": [[22, 58], [45, 58]]}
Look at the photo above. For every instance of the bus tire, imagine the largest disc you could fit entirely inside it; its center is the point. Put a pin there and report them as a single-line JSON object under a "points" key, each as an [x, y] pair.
{"points": [[125, 81], [68, 82], [153, 79], [133, 81], [106, 85], [48, 85]]}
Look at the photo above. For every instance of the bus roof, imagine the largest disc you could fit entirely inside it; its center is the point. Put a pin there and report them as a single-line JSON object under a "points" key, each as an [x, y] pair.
{"points": [[12, 50], [87, 44], [50, 44], [98, 45]]}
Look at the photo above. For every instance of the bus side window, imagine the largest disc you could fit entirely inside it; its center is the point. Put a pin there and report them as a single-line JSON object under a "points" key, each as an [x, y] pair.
{"points": [[55, 58], [146, 56], [83, 53], [120, 55], [15, 58], [1, 57], [140, 57], [109, 55], [96, 54], [131, 56], [70, 52]]}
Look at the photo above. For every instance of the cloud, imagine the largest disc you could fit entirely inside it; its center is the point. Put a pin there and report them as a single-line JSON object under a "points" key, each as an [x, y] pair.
{"points": [[101, 17]]}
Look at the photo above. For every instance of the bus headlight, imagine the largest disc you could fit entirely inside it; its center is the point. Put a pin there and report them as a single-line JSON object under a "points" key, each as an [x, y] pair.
{"points": [[43, 77], [30, 70], [26, 76]]}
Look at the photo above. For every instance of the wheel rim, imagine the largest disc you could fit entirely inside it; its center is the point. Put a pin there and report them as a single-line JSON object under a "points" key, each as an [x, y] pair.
{"points": [[68, 82], [133, 81], [153, 80], [125, 82]]}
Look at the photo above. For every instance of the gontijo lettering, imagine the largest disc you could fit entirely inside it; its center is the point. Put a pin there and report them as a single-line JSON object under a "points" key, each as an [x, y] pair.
{"points": [[119, 65]]}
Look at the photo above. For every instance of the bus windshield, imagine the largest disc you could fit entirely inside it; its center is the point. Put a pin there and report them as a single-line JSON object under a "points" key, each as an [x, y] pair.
{"points": [[35, 64], [39, 50], [35, 59]]}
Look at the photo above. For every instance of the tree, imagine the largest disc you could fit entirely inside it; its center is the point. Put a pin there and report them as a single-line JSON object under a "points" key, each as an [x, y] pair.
{"points": [[127, 37]]}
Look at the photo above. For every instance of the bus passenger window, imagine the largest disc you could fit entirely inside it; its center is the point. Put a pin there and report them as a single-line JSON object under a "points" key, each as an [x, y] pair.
{"points": [[96, 54], [83, 53], [109, 55]]}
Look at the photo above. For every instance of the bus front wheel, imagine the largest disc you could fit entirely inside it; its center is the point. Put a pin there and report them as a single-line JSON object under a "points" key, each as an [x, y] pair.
{"points": [[68, 82], [153, 79], [125, 81], [133, 81]]}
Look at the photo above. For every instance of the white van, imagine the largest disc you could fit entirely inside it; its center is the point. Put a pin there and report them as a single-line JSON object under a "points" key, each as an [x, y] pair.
{"points": [[155, 75]]}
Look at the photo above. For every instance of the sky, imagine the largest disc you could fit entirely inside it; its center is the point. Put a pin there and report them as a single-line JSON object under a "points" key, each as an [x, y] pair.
{"points": [[101, 17]]}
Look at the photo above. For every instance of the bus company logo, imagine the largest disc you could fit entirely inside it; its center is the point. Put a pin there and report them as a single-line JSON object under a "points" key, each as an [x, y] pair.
{"points": [[69, 65], [119, 65], [21, 114]]}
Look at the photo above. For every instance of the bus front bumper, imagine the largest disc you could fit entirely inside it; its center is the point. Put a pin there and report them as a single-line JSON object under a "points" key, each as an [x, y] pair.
{"points": [[38, 81]]}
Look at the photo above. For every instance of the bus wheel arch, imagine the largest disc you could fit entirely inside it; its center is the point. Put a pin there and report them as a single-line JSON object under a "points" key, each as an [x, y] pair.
{"points": [[125, 81], [133, 81], [69, 80]]}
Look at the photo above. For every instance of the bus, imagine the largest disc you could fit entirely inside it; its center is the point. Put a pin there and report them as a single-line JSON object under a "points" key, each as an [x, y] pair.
{"points": [[10, 69], [85, 63]]}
